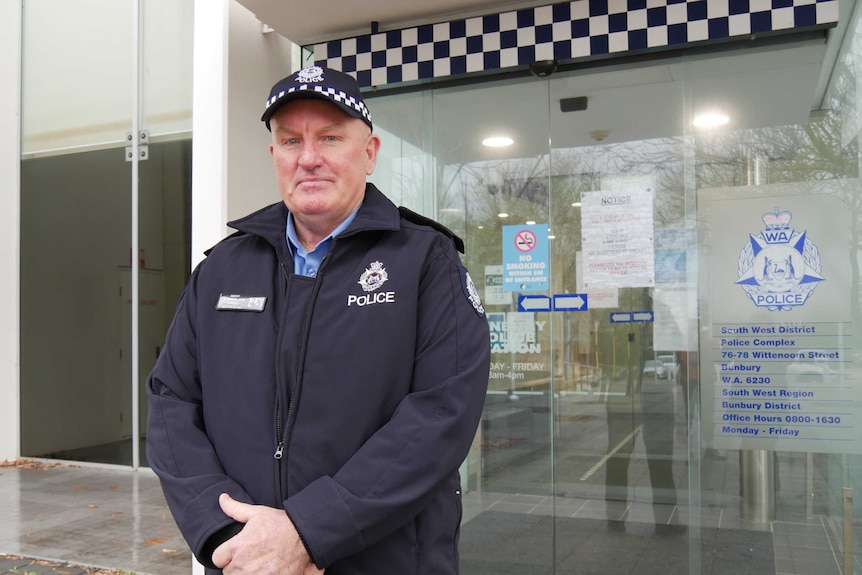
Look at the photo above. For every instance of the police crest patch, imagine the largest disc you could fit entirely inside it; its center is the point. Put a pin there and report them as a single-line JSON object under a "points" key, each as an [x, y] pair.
{"points": [[373, 277], [471, 292], [310, 74], [780, 267]]}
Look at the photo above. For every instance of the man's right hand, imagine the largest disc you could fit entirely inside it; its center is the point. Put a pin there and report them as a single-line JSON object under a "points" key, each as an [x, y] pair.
{"points": [[269, 544]]}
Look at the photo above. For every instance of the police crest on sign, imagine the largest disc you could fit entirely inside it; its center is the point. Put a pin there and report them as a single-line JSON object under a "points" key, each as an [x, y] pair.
{"points": [[780, 267]]}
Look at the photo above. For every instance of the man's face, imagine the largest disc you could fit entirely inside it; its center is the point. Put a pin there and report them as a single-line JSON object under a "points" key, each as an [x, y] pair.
{"points": [[322, 157]]}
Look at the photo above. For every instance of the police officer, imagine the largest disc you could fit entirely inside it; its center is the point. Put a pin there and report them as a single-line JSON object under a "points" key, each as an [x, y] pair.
{"points": [[326, 368]]}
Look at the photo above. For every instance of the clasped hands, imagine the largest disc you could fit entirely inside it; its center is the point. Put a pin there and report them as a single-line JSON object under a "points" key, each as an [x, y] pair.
{"points": [[269, 544]]}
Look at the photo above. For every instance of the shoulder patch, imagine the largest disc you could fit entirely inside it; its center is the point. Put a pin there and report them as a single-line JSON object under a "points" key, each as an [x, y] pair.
{"points": [[470, 291], [412, 216]]}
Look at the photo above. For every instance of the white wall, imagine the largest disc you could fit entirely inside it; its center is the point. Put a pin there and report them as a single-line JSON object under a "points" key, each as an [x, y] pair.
{"points": [[10, 155], [235, 65], [256, 61], [209, 125]]}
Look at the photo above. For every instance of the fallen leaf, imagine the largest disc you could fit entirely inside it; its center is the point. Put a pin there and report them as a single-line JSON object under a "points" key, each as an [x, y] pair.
{"points": [[153, 541]]}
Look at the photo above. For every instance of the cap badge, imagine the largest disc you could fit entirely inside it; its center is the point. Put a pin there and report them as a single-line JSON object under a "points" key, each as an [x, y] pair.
{"points": [[310, 74], [373, 277]]}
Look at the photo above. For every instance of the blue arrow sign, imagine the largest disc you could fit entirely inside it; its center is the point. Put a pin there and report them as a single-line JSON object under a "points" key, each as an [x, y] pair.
{"points": [[621, 317], [642, 316], [534, 303], [570, 302]]}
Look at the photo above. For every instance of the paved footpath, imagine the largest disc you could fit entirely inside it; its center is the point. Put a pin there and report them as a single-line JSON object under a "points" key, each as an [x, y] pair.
{"points": [[86, 520], [26, 566]]}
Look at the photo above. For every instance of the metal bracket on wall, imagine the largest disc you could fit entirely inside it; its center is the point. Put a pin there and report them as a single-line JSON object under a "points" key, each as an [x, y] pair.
{"points": [[143, 149]]}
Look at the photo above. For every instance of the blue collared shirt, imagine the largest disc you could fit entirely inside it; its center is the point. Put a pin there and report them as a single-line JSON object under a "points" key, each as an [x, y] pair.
{"points": [[307, 263]]}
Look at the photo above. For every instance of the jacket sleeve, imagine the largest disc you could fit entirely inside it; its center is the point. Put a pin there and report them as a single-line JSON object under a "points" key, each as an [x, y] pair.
{"points": [[398, 469], [178, 449]]}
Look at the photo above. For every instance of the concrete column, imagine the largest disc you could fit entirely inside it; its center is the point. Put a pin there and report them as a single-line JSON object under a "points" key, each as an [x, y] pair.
{"points": [[10, 218], [209, 125]]}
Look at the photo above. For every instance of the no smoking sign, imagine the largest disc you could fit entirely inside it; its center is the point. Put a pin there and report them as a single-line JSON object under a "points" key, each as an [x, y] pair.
{"points": [[525, 258], [525, 241]]}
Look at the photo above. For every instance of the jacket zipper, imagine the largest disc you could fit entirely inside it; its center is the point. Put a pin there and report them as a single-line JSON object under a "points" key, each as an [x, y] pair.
{"points": [[279, 450], [281, 428]]}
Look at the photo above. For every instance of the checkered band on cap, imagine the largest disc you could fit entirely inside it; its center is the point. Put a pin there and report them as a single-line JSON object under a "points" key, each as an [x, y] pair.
{"points": [[337, 96]]}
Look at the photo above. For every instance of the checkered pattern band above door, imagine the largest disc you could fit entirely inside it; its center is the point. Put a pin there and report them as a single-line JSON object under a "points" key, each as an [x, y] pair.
{"points": [[567, 31]]}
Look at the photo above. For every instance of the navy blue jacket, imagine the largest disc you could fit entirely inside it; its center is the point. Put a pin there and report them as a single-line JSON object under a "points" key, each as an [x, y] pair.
{"points": [[350, 399]]}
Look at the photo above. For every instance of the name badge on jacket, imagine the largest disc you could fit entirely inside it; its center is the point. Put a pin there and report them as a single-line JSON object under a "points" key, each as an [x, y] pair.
{"points": [[238, 302]]}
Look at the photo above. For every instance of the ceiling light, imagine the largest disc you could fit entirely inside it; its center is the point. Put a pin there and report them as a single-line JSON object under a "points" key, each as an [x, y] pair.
{"points": [[502, 215], [498, 141], [576, 204], [531, 223], [710, 120]]}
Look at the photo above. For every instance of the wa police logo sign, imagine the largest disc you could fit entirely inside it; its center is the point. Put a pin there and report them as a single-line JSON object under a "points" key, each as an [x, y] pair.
{"points": [[780, 267]]}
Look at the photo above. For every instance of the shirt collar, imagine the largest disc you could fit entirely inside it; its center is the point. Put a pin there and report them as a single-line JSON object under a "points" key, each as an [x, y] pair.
{"points": [[307, 263]]}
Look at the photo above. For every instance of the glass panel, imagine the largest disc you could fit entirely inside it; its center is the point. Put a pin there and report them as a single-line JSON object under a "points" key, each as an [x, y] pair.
{"points": [[75, 230], [621, 452], [164, 185], [405, 166], [478, 192], [165, 256], [79, 49], [76, 218], [75, 226], [778, 217], [166, 74]]}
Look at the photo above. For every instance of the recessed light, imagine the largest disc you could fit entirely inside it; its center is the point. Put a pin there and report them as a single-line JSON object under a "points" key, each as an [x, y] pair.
{"points": [[576, 204], [531, 223], [710, 120], [502, 215], [498, 141]]}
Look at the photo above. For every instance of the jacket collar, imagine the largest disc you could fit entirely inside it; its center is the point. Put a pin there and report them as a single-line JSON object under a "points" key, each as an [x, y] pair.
{"points": [[376, 213]]}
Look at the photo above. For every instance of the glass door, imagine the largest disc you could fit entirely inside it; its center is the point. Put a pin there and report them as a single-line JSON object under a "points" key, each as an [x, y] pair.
{"points": [[619, 219], [75, 226], [104, 197], [492, 189]]}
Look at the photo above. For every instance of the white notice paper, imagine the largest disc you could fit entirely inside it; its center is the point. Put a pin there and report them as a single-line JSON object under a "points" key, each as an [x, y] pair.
{"points": [[618, 238]]}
